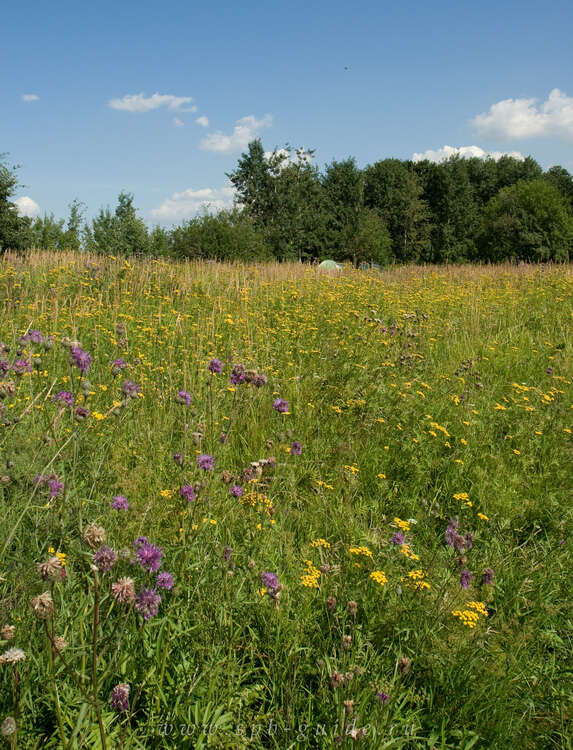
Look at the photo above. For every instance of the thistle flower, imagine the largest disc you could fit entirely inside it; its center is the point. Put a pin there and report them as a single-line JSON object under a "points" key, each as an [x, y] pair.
{"points": [[165, 580], [81, 413], [487, 577], [147, 603], [331, 604], [227, 552], [465, 578], [119, 700], [237, 375], [270, 581], [148, 555], [54, 485], [119, 502], [105, 558], [51, 570], [236, 490], [215, 366], [206, 462], [280, 405], [81, 359], [64, 397], [20, 366], [398, 539], [383, 698], [178, 459], [118, 365], [94, 535], [43, 605], [8, 726], [12, 656], [123, 590], [188, 493], [7, 632], [296, 448], [259, 380], [183, 398], [130, 389]]}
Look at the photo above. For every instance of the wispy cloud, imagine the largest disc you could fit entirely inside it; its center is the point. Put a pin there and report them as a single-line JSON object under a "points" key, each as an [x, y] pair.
{"points": [[245, 130], [446, 152], [26, 206], [29, 97], [204, 121], [191, 202], [522, 118], [177, 122], [142, 103]]}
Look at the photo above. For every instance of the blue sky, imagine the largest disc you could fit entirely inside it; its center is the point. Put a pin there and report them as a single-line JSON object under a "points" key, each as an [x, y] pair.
{"points": [[160, 99]]}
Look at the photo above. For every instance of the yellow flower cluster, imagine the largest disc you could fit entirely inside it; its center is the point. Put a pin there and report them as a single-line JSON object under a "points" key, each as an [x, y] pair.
{"points": [[416, 579], [408, 552], [311, 575], [320, 543], [379, 576], [361, 551], [60, 555], [464, 498], [257, 500], [402, 525], [470, 617]]}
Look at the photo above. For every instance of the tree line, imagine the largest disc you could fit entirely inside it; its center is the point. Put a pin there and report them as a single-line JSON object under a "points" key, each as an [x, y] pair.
{"points": [[392, 211]]}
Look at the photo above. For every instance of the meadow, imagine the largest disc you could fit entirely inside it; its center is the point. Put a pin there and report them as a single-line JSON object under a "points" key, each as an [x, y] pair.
{"points": [[257, 506]]}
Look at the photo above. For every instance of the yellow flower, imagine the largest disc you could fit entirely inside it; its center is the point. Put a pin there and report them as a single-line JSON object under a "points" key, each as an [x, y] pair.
{"points": [[379, 576], [482, 517], [166, 493]]}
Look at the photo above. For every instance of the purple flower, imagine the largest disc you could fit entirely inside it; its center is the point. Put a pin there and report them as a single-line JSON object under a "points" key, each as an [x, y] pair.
{"points": [[105, 558], [165, 580], [20, 366], [119, 502], [236, 490], [280, 405], [188, 493], [270, 581], [183, 397], [466, 578], [549, 370], [206, 462], [215, 366], [119, 700], [398, 538], [383, 698], [147, 603], [118, 365], [34, 336], [130, 389], [237, 375], [223, 437], [148, 555], [81, 413], [487, 577], [178, 458], [259, 380], [4, 366], [64, 397], [296, 448], [469, 540], [82, 360], [451, 532], [227, 552]]}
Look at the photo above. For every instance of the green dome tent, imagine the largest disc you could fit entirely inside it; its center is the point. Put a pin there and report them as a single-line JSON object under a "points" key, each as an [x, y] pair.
{"points": [[329, 265]]}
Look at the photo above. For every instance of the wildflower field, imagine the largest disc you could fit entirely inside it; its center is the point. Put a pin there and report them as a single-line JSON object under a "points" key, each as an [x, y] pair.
{"points": [[263, 507]]}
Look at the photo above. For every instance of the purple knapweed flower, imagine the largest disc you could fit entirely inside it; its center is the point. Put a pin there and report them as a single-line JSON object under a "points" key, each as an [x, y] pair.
{"points": [[383, 698], [223, 437], [549, 370], [119, 700], [469, 540], [147, 603], [466, 578], [52, 481], [148, 555], [487, 577], [280, 405], [236, 490], [119, 502], [451, 532], [188, 493], [130, 389], [178, 459], [118, 365], [81, 413], [183, 397], [237, 375], [215, 366], [4, 366], [259, 380], [398, 538], [206, 462], [105, 558], [227, 552], [270, 581], [165, 580], [64, 397], [20, 366], [82, 360], [296, 448]]}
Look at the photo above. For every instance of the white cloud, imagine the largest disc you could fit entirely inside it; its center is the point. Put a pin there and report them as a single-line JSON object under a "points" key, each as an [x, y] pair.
{"points": [[522, 118], [466, 152], [141, 103], [204, 121], [191, 202], [245, 130], [30, 97], [177, 122], [26, 206]]}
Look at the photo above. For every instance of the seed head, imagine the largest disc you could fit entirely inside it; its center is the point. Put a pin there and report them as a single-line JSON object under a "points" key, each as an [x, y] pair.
{"points": [[94, 535], [43, 606], [8, 727], [123, 590], [51, 570], [12, 656]]}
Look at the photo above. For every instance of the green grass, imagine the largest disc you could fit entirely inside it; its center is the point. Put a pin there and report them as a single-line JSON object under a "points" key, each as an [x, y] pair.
{"points": [[405, 389]]}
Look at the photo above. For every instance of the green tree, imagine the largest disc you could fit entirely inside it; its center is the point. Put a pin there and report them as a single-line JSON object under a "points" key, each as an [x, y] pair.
{"points": [[563, 181], [72, 235], [48, 233], [252, 180], [131, 231], [343, 186], [372, 242], [528, 221], [14, 229]]}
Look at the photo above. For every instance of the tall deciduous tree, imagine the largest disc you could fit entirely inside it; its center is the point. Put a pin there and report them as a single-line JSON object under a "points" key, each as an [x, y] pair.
{"points": [[14, 229]]}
